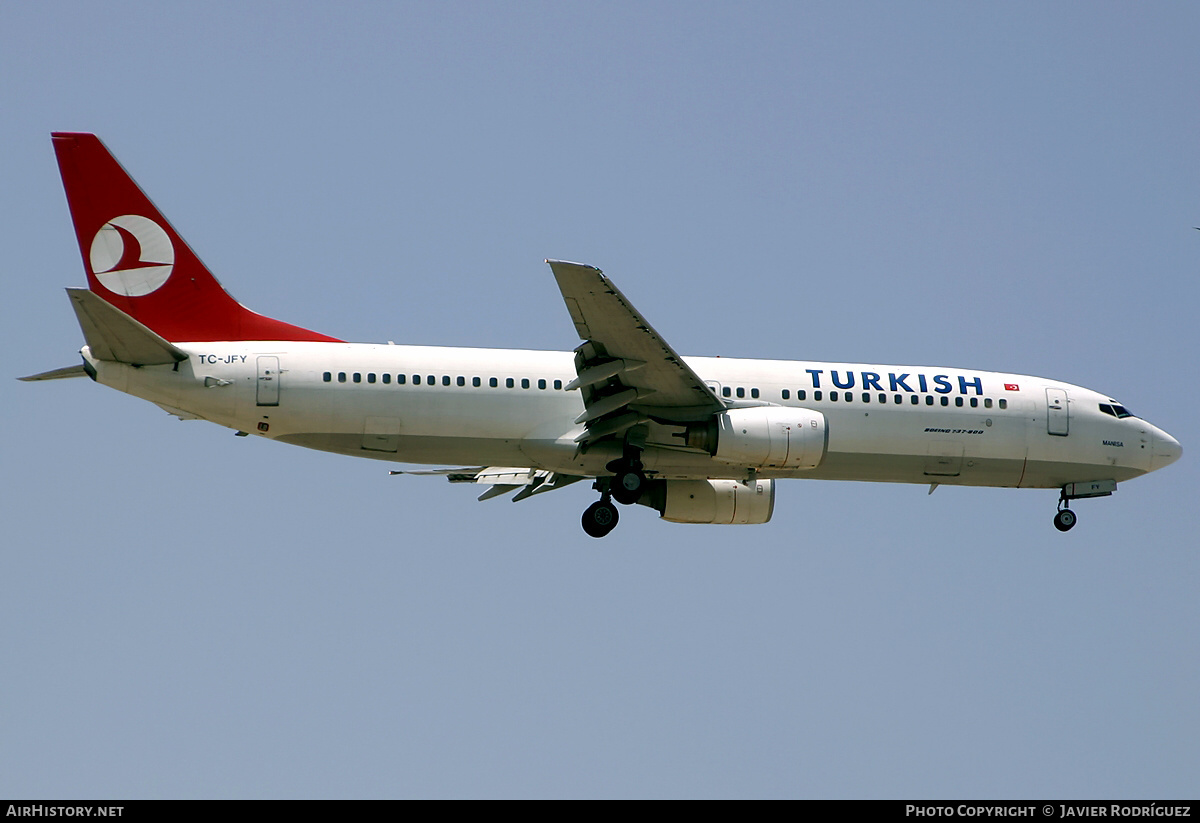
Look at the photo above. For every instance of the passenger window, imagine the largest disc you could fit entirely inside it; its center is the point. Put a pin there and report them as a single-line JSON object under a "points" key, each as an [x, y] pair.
{"points": [[916, 400], [493, 382], [725, 391], [524, 382], [754, 393], [416, 379], [849, 396], [445, 380], [899, 398], [816, 395], [430, 380], [476, 382], [400, 378], [387, 378], [558, 385], [328, 377], [509, 382], [1003, 403], [945, 400], [883, 398], [371, 377], [460, 380], [974, 402], [958, 401], [541, 383], [785, 394], [929, 400], [358, 377], [866, 397], [341, 377], [833, 396], [741, 392], [987, 402], [802, 395]]}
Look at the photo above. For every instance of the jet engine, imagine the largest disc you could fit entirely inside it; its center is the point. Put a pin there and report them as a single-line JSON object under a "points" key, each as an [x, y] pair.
{"points": [[711, 501], [763, 437]]}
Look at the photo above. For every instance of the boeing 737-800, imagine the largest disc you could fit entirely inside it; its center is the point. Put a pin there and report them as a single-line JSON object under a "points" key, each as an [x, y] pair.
{"points": [[701, 440]]}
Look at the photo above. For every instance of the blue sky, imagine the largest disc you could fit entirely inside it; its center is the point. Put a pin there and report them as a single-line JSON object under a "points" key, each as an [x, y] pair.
{"points": [[1010, 187]]}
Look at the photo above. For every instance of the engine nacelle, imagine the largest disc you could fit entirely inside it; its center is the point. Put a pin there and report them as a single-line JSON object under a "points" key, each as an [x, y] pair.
{"points": [[763, 437], [711, 501]]}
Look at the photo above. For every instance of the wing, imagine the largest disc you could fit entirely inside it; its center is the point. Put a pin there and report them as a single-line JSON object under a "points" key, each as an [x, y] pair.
{"points": [[627, 372], [504, 479]]}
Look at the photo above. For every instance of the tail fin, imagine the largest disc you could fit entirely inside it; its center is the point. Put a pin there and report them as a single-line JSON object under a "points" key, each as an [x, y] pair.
{"points": [[136, 261]]}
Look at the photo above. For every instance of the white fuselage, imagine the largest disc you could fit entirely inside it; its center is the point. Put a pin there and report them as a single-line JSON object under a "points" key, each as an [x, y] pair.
{"points": [[491, 407]]}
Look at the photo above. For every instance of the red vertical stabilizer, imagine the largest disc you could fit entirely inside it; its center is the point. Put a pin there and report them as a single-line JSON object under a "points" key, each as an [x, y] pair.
{"points": [[136, 261]]}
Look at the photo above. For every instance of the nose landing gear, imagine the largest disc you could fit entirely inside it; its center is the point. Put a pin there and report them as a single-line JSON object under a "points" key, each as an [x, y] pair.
{"points": [[1065, 519]]}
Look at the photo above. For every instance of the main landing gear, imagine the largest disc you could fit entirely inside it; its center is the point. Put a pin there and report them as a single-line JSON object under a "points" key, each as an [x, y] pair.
{"points": [[625, 486], [601, 517], [628, 481]]}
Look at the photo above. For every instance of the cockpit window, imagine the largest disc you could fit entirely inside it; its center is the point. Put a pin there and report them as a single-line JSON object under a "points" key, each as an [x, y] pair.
{"points": [[1119, 412]]}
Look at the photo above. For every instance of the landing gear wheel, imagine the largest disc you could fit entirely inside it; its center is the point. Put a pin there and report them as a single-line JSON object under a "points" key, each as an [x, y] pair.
{"points": [[627, 486], [600, 518], [1064, 520]]}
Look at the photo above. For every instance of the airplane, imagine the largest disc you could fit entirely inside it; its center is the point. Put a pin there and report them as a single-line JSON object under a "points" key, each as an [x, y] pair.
{"points": [[698, 439]]}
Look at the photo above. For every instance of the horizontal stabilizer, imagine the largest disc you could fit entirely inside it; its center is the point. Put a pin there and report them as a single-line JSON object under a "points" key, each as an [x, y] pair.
{"points": [[57, 374], [112, 334]]}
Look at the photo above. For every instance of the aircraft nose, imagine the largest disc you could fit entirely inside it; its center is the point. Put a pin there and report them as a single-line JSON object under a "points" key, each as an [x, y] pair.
{"points": [[1166, 450]]}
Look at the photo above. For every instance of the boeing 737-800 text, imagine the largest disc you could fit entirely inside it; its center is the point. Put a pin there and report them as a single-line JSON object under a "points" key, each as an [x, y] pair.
{"points": [[701, 440]]}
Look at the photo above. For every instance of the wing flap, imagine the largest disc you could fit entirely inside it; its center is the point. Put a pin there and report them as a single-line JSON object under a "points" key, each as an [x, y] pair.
{"points": [[602, 371]]}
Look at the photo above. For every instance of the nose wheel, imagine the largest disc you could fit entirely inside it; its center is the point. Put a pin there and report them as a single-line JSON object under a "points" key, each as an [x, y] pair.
{"points": [[1064, 520]]}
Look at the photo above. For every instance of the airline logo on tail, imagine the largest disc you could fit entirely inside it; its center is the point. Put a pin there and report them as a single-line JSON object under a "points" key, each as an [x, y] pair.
{"points": [[132, 255]]}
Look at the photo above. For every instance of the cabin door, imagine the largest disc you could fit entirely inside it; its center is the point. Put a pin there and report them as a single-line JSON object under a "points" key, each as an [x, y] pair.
{"points": [[268, 381], [1058, 414]]}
